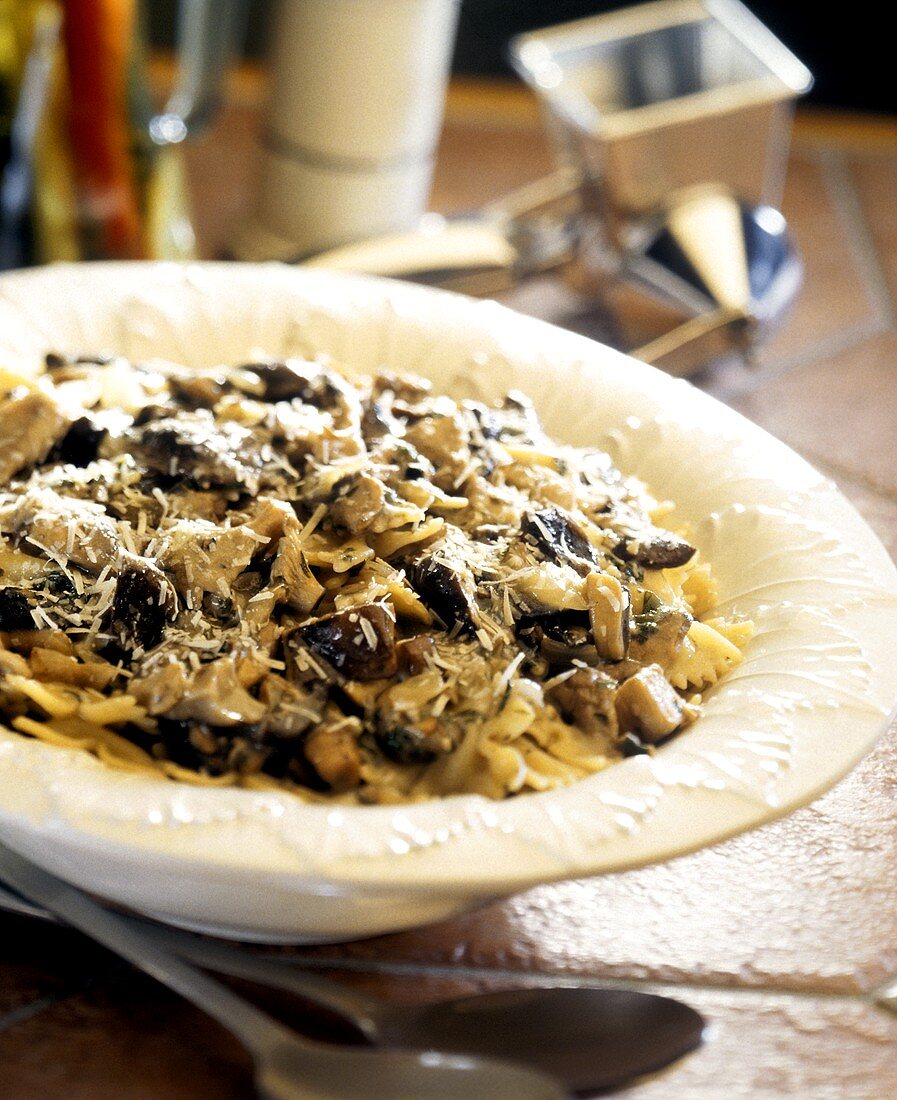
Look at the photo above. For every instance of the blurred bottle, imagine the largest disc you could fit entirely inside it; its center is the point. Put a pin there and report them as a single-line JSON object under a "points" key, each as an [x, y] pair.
{"points": [[88, 169]]}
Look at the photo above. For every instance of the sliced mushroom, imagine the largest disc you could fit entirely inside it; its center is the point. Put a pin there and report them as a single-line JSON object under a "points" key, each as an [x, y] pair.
{"points": [[447, 589], [161, 689], [377, 421], [559, 538], [405, 386], [332, 750], [444, 440], [270, 518], [81, 443], [654, 549], [15, 609], [302, 590], [289, 708], [648, 705], [413, 654], [190, 503], [359, 504], [212, 454], [30, 426], [288, 379], [206, 558], [406, 744], [609, 603], [358, 643], [77, 531], [215, 696], [587, 700], [559, 637], [657, 636], [198, 390], [145, 602]]}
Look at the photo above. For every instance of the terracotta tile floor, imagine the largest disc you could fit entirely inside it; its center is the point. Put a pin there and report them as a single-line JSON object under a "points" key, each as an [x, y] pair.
{"points": [[777, 936]]}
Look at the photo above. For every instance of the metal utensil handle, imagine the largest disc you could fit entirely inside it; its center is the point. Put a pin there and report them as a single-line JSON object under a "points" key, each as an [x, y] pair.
{"points": [[237, 962], [12, 903], [356, 1007], [254, 1028]]}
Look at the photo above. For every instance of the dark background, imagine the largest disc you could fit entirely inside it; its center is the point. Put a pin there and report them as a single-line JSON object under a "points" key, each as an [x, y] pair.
{"points": [[849, 47]]}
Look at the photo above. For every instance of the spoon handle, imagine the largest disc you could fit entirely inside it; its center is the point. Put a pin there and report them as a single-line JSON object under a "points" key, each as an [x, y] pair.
{"points": [[355, 1007], [349, 1004], [127, 938]]}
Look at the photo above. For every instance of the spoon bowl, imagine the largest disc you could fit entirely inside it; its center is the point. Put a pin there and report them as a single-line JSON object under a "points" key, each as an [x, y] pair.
{"points": [[591, 1039]]}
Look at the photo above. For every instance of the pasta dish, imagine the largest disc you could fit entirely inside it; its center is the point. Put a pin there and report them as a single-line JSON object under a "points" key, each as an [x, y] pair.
{"points": [[276, 574]]}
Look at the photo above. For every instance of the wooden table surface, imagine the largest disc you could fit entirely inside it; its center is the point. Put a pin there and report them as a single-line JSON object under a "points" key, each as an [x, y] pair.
{"points": [[776, 936]]}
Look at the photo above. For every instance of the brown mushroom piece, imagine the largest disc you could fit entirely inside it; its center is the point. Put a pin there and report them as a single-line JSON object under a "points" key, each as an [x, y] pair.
{"points": [[161, 689], [193, 445], [560, 637], [289, 708], [448, 590], [77, 531], [558, 538], [405, 386], [654, 549], [202, 556], [415, 654], [587, 700], [444, 440], [377, 421], [359, 643], [270, 519], [302, 590], [30, 426], [289, 379], [647, 704], [81, 443], [514, 421], [198, 390], [406, 744], [332, 750], [214, 695], [15, 609], [359, 502], [657, 636], [145, 601]]}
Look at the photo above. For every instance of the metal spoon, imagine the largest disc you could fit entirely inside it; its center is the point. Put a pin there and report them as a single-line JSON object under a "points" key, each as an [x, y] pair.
{"points": [[590, 1039], [286, 1067]]}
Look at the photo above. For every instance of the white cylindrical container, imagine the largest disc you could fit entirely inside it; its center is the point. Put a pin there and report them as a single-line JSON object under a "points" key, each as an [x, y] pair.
{"points": [[353, 119]]}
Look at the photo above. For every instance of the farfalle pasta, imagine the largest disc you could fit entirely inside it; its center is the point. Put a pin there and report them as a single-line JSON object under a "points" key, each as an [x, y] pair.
{"points": [[275, 574]]}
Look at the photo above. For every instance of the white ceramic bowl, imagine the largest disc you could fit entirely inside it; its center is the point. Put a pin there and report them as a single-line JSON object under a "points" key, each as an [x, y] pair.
{"points": [[815, 689]]}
